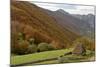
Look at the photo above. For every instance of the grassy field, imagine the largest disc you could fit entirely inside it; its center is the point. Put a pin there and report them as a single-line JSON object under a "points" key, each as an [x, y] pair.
{"points": [[68, 59], [37, 56], [20, 59]]}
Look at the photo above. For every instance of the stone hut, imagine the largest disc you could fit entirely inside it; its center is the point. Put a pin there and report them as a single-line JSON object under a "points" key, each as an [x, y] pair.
{"points": [[79, 50]]}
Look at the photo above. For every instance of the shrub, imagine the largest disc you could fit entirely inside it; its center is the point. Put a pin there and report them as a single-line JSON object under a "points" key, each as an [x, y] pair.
{"points": [[32, 49], [50, 47], [44, 47], [20, 48]]}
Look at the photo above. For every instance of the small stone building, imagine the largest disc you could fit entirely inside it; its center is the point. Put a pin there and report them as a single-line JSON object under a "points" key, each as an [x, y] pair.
{"points": [[79, 49]]}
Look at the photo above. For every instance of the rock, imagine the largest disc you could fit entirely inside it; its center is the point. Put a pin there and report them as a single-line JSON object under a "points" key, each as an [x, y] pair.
{"points": [[79, 50], [68, 53]]}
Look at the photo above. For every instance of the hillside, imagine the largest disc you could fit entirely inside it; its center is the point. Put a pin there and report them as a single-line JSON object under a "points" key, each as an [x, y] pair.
{"points": [[71, 22], [34, 22], [90, 18]]}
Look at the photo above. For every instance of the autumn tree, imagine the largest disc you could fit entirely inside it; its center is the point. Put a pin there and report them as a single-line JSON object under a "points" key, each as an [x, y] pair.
{"points": [[87, 43]]}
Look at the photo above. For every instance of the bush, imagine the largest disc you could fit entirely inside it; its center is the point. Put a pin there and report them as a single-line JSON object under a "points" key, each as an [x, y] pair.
{"points": [[20, 48], [87, 43], [32, 49], [44, 47]]}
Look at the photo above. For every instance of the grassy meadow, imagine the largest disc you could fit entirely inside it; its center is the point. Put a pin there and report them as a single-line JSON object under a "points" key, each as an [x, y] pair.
{"points": [[29, 58]]}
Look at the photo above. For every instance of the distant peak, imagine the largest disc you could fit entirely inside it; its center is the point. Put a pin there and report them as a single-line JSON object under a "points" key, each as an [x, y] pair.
{"points": [[62, 11]]}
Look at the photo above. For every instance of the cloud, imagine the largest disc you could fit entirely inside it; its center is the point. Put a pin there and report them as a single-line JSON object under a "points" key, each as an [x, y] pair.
{"points": [[73, 9], [47, 6], [86, 9], [60, 6]]}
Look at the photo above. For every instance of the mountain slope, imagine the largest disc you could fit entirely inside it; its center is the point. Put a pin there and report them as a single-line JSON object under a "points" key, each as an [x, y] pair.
{"points": [[33, 22], [68, 21], [90, 18]]}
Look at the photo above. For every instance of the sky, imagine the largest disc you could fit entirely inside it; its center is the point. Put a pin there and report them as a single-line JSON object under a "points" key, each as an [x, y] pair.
{"points": [[72, 9]]}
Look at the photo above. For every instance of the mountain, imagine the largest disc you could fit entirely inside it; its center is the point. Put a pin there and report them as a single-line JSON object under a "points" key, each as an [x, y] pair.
{"points": [[73, 23], [34, 22], [62, 11], [90, 18]]}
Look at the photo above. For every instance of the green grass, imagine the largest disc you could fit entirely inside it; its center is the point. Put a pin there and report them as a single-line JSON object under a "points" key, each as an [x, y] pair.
{"points": [[70, 59], [20, 59], [45, 62], [67, 59], [37, 56]]}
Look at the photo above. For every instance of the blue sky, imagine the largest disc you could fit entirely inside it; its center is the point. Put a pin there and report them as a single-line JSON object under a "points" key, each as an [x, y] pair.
{"points": [[73, 9]]}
